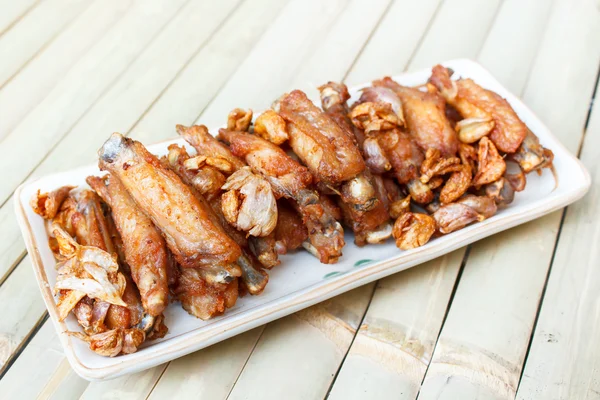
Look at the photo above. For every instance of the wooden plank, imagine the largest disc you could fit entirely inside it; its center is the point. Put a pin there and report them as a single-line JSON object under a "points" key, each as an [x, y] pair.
{"points": [[392, 349], [457, 31], [40, 369], [83, 85], [563, 360], [291, 345], [25, 309], [209, 373], [13, 11], [133, 386], [297, 356], [196, 85], [62, 111], [371, 378], [33, 32], [45, 71], [482, 346], [257, 89], [274, 35]]}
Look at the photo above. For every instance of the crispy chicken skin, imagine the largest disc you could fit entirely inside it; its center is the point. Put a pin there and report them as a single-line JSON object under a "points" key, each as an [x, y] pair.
{"points": [[190, 234], [326, 148], [473, 101], [290, 180], [425, 117], [144, 248], [206, 144]]}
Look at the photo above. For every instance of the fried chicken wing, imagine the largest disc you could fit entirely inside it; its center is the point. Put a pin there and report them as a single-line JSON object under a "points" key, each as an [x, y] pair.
{"points": [[363, 211], [144, 248], [207, 145], [189, 232], [482, 107], [477, 122], [425, 118], [326, 148], [290, 180], [253, 277]]}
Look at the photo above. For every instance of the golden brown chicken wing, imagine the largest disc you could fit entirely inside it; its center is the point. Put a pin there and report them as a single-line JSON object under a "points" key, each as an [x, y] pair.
{"points": [[144, 249], [191, 235], [290, 180], [484, 111], [425, 118], [325, 147], [206, 144]]}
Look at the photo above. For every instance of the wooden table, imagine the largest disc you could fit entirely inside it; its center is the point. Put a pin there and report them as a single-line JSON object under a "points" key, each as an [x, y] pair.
{"points": [[515, 315]]}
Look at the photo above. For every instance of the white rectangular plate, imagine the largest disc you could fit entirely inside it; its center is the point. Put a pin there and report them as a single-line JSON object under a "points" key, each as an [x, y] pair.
{"points": [[300, 281]]}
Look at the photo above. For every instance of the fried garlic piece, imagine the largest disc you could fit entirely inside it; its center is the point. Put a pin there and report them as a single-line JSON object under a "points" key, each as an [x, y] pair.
{"points": [[456, 185], [380, 94], [271, 126], [434, 165], [413, 230], [48, 204], [375, 157], [85, 270], [531, 155], [491, 165], [239, 120], [500, 191], [374, 117], [468, 209], [248, 203], [114, 342]]}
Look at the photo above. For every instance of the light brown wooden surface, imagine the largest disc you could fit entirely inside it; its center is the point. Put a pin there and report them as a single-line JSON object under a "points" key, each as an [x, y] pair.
{"points": [[515, 316]]}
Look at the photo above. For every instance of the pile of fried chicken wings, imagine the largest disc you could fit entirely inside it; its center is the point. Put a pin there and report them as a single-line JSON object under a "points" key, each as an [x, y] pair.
{"points": [[202, 227]]}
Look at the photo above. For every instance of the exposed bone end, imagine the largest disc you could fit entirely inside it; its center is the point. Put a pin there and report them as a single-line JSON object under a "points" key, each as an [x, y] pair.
{"points": [[111, 148]]}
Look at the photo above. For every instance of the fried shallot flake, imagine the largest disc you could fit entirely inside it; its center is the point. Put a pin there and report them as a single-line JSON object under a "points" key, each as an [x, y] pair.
{"points": [[239, 120], [85, 270], [435, 165], [374, 117], [491, 165], [48, 204]]}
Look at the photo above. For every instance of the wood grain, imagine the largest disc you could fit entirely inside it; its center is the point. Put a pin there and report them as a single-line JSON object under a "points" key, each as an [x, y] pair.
{"points": [[563, 359]]}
